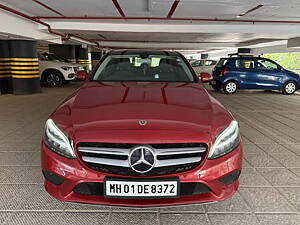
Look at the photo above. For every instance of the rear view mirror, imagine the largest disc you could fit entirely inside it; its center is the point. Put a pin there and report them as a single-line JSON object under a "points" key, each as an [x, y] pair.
{"points": [[205, 77], [81, 75]]}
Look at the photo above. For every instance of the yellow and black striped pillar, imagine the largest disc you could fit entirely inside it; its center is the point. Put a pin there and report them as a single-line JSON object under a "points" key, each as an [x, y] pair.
{"points": [[24, 67], [5, 76], [83, 61], [82, 56], [96, 56]]}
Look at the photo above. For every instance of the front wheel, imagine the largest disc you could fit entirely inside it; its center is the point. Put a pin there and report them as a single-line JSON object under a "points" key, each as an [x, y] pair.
{"points": [[289, 88], [54, 79], [230, 87]]}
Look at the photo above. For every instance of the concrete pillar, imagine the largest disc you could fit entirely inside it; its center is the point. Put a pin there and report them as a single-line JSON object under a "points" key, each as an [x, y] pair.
{"points": [[64, 51], [24, 67], [5, 76], [19, 67], [96, 56], [82, 55], [204, 56], [294, 43], [244, 50]]}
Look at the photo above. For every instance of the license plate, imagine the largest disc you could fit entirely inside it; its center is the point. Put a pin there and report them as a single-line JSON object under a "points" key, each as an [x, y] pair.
{"points": [[144, 188]]}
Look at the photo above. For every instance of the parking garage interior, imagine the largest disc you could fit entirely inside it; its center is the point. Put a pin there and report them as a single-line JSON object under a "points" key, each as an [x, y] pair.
{"points": [[80, 33]]}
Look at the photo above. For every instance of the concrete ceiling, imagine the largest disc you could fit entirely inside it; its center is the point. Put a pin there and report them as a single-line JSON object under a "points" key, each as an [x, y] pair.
{"points": [[272, 9], [173, 24]]}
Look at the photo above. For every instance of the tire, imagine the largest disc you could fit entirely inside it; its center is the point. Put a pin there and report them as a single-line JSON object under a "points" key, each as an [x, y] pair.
{"points": [[53, 78], [289, 88], [230, 87], [216, 87]]}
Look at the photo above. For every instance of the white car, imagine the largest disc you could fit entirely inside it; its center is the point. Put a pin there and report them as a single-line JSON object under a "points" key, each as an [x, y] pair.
{"points": [[54, 71], [204, 65]]}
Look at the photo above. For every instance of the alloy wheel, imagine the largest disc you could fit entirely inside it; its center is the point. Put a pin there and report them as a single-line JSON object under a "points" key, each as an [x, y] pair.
{"points": [[53, 80], [231, 87], [290, 88]]}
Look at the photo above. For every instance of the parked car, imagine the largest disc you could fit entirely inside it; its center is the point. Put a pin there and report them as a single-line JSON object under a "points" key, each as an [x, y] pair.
{"points": [[204, 65], [231, 74], [142, 131], [55, 71]]}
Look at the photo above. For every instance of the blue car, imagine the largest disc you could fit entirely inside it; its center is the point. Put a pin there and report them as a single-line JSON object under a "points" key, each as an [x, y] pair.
{"points": [[233, 73]]}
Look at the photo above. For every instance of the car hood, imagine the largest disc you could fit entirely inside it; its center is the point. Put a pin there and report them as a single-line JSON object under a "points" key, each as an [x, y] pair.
{"points": [[294, 74], [113, 109]]}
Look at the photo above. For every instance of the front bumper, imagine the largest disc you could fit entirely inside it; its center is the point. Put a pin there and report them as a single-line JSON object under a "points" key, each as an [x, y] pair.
{"points": [[212, 174], [69, 75]]}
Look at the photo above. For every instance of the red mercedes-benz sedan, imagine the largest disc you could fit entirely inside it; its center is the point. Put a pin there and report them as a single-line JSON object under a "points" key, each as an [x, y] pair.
{"points": [[142, 131]]}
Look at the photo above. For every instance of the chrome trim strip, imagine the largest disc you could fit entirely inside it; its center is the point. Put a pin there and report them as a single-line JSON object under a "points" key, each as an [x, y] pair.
{"points": [[110, 151], [177, 151], [104, 161], [173, 162]]}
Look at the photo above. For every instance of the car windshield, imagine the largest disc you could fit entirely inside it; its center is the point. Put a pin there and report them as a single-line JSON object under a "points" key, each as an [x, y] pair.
{"points": [[150, 68], [222, 62]]}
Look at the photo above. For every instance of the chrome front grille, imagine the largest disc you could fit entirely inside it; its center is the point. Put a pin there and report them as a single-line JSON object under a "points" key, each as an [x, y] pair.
{"points": [[170, 158]]}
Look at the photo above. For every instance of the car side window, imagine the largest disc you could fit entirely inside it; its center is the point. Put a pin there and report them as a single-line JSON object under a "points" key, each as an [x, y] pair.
{"points": [[266, 64], [196, 63], [208, 63], [244, 64]]}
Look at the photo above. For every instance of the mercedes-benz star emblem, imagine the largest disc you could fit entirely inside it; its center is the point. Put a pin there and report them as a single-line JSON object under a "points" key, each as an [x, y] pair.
{"points": [[143, 122], [142, 159]]}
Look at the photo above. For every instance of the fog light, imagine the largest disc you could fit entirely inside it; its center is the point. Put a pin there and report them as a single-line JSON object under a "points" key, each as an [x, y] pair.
{"points": [[230, 178], [53, 178]]}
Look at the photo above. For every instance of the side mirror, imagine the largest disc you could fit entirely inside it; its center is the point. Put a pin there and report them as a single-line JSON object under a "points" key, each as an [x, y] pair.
{"points": [[205, 77], [81, 75]]}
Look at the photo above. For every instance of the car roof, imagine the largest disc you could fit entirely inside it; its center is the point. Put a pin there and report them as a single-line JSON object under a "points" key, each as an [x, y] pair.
{"points": [[143, 52]]}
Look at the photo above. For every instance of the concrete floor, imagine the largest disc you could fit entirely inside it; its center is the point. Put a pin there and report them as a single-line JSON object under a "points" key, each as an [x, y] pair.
{"points": [[270, 181]]}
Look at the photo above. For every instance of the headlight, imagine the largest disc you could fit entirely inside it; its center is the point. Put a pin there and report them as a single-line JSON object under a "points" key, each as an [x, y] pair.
{"points": [[227, 141], [67, 68], [57, 141]]}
